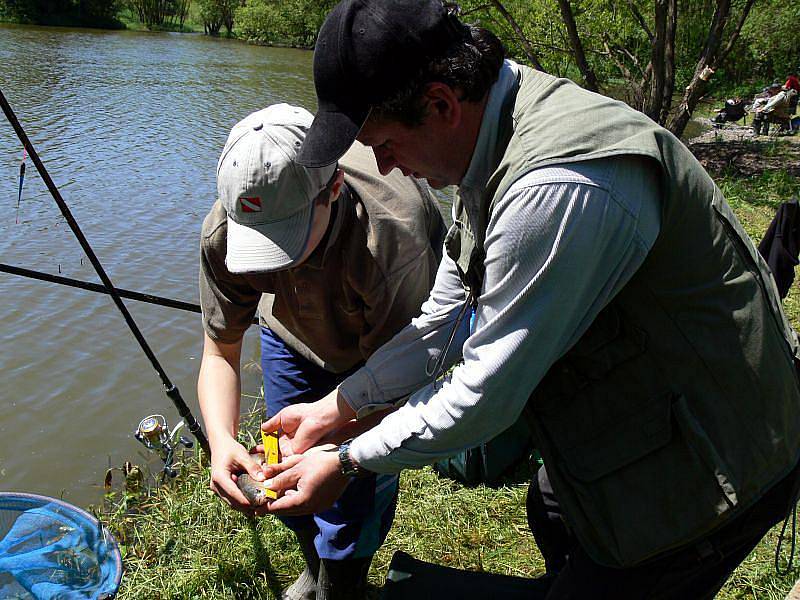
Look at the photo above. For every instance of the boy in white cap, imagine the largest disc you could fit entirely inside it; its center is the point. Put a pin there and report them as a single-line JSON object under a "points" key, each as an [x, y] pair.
{"points": [[336, 260]]}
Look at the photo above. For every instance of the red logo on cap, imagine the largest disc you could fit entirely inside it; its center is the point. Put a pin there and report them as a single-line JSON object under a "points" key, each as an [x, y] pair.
{"points": [[250, 204]]}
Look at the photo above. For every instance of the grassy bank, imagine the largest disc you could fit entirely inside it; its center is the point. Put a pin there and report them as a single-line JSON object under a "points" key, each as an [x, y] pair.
{"points": [[181, 542]]}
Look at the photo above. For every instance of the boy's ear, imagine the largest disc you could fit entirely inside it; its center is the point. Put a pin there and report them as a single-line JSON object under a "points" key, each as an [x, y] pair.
{"points": [[336, 188]]}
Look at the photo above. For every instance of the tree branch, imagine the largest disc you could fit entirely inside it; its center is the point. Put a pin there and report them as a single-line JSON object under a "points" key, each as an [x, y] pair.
{"points": [[640, 19], [735, 35], [704, 70], [589, 78], [526, 44]]}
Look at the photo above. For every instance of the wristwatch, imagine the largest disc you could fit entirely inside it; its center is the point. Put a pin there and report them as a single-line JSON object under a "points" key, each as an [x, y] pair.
{"points": [[347, 465]]}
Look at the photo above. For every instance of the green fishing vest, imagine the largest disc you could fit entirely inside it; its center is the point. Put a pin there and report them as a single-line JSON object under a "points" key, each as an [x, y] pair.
{"points": [[678, 407]]}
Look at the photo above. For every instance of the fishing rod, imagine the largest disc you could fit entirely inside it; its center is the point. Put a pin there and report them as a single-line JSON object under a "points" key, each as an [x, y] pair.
{"points": [[172, 392], [96, 287]]}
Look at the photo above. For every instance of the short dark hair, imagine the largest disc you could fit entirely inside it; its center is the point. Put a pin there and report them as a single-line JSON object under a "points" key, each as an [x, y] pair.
{"points": [[470, 64]]}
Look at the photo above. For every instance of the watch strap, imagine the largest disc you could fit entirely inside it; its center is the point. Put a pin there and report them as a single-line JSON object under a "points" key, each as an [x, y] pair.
{"points": [[347, 465]]}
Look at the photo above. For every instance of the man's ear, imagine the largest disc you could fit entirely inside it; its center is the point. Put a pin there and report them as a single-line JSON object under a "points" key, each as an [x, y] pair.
{"points": [[444, 104], [336, 188]]}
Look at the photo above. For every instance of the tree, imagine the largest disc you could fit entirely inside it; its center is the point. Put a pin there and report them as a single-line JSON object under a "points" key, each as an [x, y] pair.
{"points": [[156, 14], [710, 60], [649, 53], [218, 13], [98, 13]]}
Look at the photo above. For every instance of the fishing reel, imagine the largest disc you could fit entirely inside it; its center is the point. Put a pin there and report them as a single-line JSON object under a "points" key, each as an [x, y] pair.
{"points": [[154, 434]]}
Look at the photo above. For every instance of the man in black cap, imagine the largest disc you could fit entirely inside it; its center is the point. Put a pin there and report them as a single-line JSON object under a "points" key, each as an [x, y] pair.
{"points": [[619, 305]]}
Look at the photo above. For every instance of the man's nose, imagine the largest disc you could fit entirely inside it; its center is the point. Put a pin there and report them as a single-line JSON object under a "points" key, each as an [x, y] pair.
{"points": [[384, 159]]}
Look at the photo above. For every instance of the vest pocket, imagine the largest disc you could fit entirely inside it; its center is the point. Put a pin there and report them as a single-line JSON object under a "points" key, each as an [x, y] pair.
{"points": [[602, 452], [635, 487], [608, 344], [704, 448]]}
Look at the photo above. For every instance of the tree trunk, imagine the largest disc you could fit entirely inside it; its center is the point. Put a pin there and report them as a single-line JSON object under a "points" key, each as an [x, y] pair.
{"points": [[703, 71], [669, 61], [655, 95], [708, 63], [589, 78]]}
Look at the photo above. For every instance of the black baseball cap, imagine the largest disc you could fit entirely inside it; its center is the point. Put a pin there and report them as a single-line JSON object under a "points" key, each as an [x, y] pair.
{"points": [[366, 50]]}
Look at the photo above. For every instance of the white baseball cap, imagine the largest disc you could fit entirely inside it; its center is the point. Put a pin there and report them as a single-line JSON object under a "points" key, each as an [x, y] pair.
{"points": [[268, 197]]}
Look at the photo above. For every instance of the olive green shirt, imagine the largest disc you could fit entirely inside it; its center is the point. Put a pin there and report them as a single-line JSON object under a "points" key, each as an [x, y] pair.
{"points": [[364, 282]]}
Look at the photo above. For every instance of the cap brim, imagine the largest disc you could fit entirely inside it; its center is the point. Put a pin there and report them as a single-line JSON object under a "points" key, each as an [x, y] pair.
{"points": [[269, 247], [331, 135]]}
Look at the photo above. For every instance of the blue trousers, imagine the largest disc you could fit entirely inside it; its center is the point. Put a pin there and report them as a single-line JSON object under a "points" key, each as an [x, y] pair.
{"points": [[356, 525]]}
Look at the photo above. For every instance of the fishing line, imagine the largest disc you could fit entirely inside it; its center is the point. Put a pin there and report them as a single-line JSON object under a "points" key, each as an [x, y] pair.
{"points": [[172, 392]]}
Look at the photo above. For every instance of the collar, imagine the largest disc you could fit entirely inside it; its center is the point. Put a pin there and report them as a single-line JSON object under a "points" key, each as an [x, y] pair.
{"points": [[488, 147]]}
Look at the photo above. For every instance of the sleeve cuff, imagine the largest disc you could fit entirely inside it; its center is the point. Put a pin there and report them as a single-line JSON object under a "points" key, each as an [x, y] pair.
{"points": [[362, 394], [369, 459]]}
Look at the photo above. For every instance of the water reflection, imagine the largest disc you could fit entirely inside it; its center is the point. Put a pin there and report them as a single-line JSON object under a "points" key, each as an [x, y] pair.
{"points": [[130, 126]]}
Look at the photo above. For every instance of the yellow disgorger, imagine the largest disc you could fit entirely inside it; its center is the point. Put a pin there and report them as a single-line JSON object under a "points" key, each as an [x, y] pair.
{"points": [[272, 455]]}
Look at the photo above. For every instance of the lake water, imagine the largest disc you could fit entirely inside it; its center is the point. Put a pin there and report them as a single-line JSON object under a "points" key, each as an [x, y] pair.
{"points": [[130, 126]]}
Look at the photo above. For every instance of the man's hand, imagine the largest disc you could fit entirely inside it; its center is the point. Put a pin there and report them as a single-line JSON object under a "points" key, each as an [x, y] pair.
{"points": [[229, 457], [306, 483], [301, 426]]}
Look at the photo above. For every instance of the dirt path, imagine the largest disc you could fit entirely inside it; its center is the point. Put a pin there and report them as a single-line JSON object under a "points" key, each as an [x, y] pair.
{"points": [[735, 149]]}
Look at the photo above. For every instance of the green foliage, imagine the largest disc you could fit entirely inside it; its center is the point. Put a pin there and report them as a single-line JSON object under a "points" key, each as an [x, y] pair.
{"points": [[282, 22], [771, 38], [618, 47], [90, 13]]}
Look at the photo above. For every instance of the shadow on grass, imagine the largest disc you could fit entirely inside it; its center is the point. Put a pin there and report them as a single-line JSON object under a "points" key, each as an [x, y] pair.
{"points": [[747, 158], [242, 579], [263, 564]]}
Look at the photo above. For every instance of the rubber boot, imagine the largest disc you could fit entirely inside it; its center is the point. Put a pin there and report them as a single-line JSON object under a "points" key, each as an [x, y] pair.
{"points": [[305, 586], [343, 579]]}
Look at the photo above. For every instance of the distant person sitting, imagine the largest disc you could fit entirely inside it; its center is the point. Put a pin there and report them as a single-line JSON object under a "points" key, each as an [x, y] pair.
{"points": [[774, 109], [792, 82], [734, 110]]}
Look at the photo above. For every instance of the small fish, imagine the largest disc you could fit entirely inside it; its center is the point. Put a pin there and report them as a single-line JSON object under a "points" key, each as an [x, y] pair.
{"points": [[254, 491]]}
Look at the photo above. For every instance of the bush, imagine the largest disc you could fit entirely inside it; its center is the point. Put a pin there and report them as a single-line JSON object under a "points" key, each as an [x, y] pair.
{"points": [[281, 22]]}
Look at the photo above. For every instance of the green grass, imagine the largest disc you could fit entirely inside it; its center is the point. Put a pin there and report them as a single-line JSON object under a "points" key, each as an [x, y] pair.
{"points": [[180, 541]]}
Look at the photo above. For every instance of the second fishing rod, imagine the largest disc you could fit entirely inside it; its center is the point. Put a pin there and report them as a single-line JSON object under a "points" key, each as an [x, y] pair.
{"points": [[171, 391]]}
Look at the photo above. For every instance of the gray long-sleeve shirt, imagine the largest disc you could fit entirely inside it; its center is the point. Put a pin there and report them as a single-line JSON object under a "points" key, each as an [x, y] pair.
{"points": [[559, 245]]}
